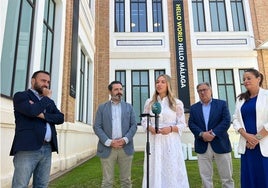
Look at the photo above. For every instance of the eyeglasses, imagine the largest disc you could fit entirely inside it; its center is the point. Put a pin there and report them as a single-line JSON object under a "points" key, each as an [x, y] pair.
{"points": [[202, 90]]}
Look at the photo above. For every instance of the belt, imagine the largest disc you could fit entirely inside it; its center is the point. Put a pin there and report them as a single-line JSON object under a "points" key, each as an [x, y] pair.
{"points": [[46, 142]]}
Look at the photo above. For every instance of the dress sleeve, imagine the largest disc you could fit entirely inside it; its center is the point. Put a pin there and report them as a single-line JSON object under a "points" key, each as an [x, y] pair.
{"points": [[146, 110], [180, 116]]}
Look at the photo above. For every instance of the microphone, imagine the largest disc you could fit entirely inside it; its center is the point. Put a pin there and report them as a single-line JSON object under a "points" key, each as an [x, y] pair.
{"points": [[145, 115], [156, 109]]}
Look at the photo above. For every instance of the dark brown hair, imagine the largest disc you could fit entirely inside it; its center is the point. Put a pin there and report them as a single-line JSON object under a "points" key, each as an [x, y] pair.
{"points": [[40, 71], [110, 86], [257, 74]]}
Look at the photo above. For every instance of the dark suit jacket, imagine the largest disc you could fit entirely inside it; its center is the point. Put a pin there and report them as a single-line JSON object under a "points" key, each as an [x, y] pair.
{"points": [[103, 127], [30, 130], [219, 122]]}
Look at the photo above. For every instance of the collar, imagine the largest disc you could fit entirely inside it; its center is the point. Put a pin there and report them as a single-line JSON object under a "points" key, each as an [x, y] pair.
{"points": [[112, 102], [208, 102], [163, 99], [36, 93]]}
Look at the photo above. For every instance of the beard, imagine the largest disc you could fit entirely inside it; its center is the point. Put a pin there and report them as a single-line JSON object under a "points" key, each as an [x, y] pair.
{"points": [[38, 88], [117, 97]]}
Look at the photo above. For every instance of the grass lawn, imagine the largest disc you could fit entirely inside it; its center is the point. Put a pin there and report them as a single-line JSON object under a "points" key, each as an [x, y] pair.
{"points": [[89, 174]]}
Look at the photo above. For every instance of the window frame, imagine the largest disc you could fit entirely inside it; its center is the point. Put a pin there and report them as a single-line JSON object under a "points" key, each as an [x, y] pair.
{"points": [[222, 24], [204, 72], [121, 4], [48, 28], [236, 16], [138, 3], [82, 87], [141, 102], [15, 57], [230, 104], [197, 20], [120, 75], [157, 7]]}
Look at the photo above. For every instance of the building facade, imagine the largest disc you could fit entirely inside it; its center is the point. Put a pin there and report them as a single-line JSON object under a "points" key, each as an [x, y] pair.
{"points": [[86, 44], [57, 36]]}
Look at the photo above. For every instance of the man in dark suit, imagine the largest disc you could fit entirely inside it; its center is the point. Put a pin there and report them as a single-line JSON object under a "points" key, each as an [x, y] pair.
{"points": [[209, 121], [115, 125], [35, 135]]}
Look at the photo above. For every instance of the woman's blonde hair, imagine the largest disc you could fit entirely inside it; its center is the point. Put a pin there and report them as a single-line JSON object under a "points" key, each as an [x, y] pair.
{"points": [[170, 94]]}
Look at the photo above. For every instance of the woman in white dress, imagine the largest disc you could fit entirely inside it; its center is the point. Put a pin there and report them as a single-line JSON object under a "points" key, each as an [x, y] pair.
{"points": [[166, 161]]}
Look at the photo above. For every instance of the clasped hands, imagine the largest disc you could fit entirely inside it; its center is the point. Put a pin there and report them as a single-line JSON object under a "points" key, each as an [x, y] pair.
{"points": [[118, 143], [252, 141], [164, 130], [208, 136]]}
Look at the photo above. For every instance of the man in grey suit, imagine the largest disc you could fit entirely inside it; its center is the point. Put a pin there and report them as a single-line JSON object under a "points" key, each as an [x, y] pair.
{"points": [[115, 125]]}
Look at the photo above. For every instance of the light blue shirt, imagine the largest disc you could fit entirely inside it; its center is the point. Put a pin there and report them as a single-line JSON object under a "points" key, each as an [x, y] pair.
{"points": [[116, 124], [116, 121], [206, 111], [48, 134]]}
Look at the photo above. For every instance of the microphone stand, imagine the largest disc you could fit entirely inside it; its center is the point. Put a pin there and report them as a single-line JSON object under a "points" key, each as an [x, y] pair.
{"points": [[147, 147], [156, 122]]}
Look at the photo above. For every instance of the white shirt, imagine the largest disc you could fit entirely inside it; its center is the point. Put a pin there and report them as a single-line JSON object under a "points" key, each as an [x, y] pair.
{"points": [[116, 120]]}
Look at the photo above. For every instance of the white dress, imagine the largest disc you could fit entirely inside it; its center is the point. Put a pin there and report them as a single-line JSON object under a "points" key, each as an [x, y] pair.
{"points": [[166, 161]]}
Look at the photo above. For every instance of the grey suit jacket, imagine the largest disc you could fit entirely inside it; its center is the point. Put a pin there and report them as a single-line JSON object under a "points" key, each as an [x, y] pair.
{"points": [[103, 127]]}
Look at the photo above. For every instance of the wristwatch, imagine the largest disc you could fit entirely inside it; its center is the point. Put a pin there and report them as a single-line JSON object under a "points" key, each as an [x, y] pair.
{"points": [[259, 136]]}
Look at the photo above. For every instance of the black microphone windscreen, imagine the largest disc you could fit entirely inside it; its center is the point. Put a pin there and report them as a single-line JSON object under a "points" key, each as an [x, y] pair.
{"points": [[156, 108]]}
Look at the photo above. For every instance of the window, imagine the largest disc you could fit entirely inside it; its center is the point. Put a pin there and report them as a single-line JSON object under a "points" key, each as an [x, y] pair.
{"points": [[140, 86], [140, 90], [226, 90], [203, 76], [157, 16], [119, 16], [16, 51], [82, 87], [225, 85], [238, 15], [121, 76], [198, 15], [241, 73], [89, 4], [218, 15], [157, 73], [138, 17], [134, 15], [84, 101], [89, 96], [48, 33]]}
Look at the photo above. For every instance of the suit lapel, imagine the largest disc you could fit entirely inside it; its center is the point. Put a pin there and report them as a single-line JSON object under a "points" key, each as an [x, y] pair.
{"points": [[212, 110], [123, 109], [32, 95], [110, 111], [201, 115]]}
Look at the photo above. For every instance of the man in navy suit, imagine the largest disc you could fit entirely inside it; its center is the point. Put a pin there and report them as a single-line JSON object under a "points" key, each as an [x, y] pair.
{"points": [[209, 121], [115, 125], [35, 135]]}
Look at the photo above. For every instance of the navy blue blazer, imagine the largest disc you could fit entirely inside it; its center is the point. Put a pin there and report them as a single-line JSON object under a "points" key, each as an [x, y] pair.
{"points": [[30, 130], [219, 122]]}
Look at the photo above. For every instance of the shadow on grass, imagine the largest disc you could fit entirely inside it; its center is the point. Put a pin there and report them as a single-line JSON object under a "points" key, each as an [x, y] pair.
{"points": [[89, 174]]}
